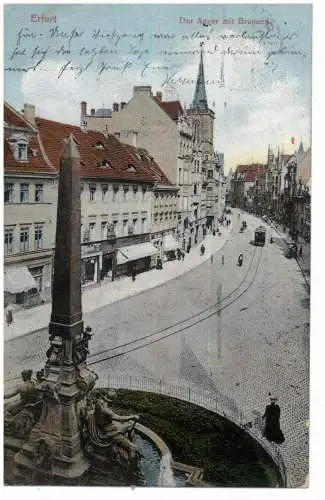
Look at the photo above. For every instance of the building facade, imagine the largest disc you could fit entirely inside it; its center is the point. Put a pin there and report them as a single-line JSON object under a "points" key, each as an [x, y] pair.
{"points": [[121, 186], [30, 189], [181, 142]]}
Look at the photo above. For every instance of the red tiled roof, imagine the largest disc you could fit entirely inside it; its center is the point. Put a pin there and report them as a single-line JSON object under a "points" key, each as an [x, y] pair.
{"points": [[120, 156], [172, 108], [250, 171], [36, 161], [12, 117]]}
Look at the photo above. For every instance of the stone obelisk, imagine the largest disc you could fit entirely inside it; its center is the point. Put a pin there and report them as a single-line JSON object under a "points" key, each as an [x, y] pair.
{"points": [[54, 448]]}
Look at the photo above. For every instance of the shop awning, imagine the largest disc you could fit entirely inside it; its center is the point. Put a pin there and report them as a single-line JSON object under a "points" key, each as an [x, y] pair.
{"points": [[18, 279], [135, 252], [170, 243]]}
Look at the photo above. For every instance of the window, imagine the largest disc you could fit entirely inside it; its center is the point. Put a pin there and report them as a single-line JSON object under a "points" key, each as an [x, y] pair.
{"points": [[22, 152], [24, 192], [135, 190], [37, 273], [9, 193], [125, 227], [103, 230], [38, 236], [104, 191], [9, 239], [125, 190], [92, 227], [195, 188], [115, 224], [24, 238], [39, 192], [116, 188], [180, 180], [132, 229], [92, 191], [143, 225], [210, 174]]}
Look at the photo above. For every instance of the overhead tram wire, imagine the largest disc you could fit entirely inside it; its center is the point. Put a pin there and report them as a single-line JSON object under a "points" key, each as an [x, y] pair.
{"points": [[172, 333], [183, 320], [189, 318], [136, 348], [175, 324]]}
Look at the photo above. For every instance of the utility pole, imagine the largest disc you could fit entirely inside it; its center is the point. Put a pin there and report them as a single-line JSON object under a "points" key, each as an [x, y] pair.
{"points": [[219, 296]]}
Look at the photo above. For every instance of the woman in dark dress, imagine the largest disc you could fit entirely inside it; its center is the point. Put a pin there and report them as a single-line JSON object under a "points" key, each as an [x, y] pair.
{"points": [[272, 431]]}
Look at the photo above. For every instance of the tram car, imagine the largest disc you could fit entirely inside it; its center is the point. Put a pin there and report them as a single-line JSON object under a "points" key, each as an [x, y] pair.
{"points": [[259, 236]]}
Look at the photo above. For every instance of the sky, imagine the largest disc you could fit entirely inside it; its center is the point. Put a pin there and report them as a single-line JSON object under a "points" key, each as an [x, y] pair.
{"points": [[258, 76]]}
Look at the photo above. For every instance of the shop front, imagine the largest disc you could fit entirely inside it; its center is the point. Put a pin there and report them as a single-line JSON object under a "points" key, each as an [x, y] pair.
{"points": [[20, 287], [109, 259], [91, 263], [170, 246], [140, 257]]}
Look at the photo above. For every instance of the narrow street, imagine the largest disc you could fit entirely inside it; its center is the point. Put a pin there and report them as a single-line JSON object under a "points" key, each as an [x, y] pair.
{"points": [[259, 345]]}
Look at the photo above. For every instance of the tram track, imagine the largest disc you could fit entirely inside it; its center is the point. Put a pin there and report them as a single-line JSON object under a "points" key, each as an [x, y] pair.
{"points": [[185, 324]]}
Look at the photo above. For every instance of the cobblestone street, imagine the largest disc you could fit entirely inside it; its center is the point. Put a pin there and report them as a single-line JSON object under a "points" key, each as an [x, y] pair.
{"points": [[258, 345]]}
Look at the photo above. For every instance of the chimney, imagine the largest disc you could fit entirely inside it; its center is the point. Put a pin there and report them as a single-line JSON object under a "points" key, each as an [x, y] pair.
{"points": [[123, 104], [115, 106], [29, 113], [159, 96], [83, 107], [92, 112], [142, 89], [134, 138]]}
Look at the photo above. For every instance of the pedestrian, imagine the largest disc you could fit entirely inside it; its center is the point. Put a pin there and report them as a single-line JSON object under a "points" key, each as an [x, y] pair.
{"points": [[133, 272], [9, 317], [159, 263], [300, 251], [211, 258], [223, 260], [272, 431], [240, 260], [183, 255]]}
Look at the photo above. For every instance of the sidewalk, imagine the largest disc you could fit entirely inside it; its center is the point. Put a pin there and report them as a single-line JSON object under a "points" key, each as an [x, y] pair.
{"points": [[28, 320]]}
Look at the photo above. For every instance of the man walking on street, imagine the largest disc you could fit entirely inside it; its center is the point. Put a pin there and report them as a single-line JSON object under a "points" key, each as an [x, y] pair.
{"points": [[300, 252]]}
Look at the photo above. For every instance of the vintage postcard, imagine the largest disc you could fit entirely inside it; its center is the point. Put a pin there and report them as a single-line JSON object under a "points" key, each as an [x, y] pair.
{"points": [[157, 229]]}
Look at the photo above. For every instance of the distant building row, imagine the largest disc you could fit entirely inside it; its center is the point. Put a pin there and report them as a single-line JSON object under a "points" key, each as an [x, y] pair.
{"points": [[280, 189]]}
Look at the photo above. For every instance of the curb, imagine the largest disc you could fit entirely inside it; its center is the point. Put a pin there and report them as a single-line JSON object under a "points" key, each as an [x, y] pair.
{"points": [[205, 258]]}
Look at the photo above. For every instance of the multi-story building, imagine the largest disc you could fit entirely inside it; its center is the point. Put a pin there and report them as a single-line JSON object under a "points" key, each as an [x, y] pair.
{"points": [[161, 128], [296, 193], [119, 183], [120, 188], [30, 190], [244, 185], [181, 141]]}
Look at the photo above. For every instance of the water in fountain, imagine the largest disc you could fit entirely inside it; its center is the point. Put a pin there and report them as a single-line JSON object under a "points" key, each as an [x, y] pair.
{"points": [[166, 475]]}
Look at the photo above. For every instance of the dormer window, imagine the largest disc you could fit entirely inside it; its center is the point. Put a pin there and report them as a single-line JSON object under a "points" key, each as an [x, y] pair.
{"points": [[131, 168], [19, 147], [137, 156], [105, 164], [99, 145]]}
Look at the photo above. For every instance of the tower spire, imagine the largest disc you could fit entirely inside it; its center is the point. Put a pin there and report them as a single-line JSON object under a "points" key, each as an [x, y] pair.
{"points": [[200, 97]]}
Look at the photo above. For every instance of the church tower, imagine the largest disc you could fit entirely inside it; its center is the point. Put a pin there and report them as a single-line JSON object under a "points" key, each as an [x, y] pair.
{"points": [[203, 126], [202, 116]]}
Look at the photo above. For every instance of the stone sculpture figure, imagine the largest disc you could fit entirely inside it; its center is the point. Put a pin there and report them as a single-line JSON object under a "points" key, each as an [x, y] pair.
{"points": [[108, 437], [21, 416]]}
